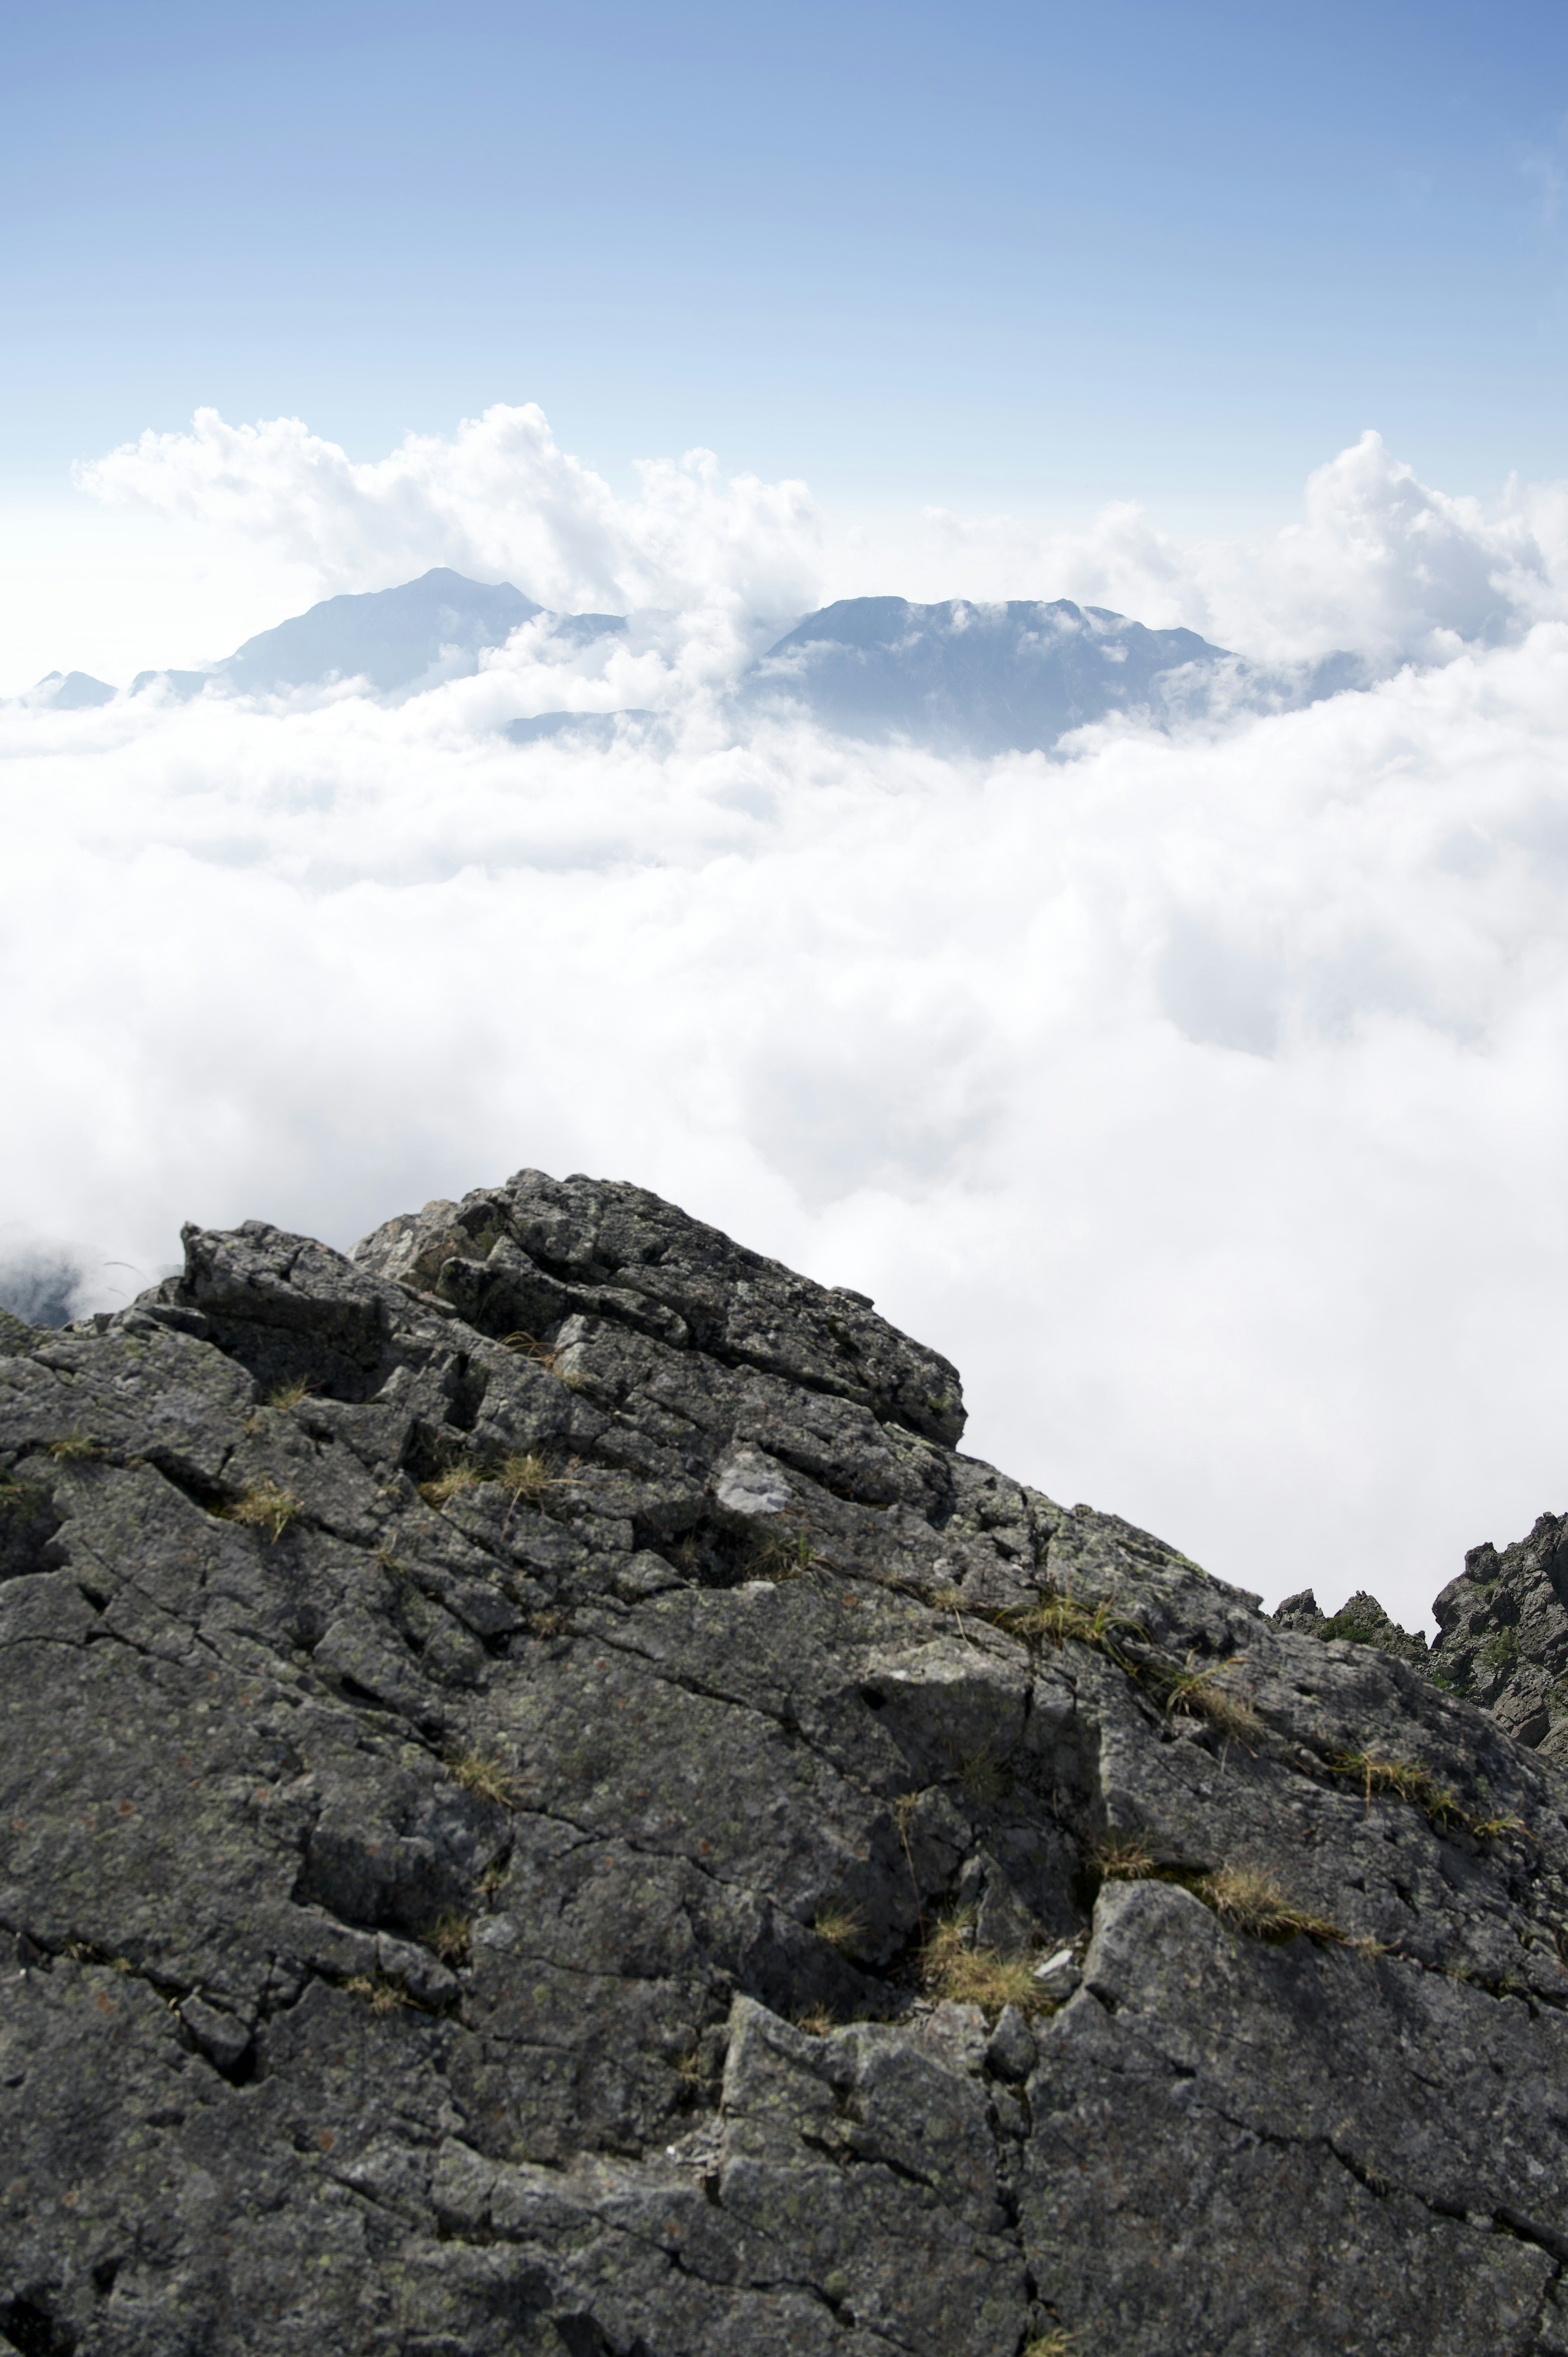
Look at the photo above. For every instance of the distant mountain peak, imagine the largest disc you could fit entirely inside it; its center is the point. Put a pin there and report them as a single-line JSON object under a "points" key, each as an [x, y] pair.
{"points": [[70, 690], [964, 675], [397, 639]]}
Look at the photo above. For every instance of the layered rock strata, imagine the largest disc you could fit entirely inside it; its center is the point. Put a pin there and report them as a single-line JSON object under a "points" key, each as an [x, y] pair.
{"points": [[548, 1808]]}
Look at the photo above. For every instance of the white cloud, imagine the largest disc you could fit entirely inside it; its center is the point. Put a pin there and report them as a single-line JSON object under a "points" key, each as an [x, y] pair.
{"points": [[499, 499], [1378, 564]]}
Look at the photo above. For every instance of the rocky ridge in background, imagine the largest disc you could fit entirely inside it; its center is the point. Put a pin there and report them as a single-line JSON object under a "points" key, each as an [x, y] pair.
{"points": [[1502, 1634], [548, 1808]]}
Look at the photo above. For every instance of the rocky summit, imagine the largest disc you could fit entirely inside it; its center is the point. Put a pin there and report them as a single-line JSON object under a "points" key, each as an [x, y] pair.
{"points": [[550, 1808]]}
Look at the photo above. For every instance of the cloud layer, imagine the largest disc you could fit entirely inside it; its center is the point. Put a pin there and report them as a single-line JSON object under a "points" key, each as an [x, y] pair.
{"points": [[1206, 1098], [1379, 563]]}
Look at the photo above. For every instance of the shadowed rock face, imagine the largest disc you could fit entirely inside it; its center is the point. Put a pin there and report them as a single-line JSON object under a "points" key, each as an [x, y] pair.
{"points": [[549, 1809]]}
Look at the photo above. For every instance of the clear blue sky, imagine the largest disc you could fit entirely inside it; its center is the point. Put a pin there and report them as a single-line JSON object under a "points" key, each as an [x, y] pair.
{"points": [[986, 254]]}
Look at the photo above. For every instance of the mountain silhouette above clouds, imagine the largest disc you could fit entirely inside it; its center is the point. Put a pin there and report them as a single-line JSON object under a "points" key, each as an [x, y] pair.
{"points": [[980, 678], [421, 632], [955, 677]]}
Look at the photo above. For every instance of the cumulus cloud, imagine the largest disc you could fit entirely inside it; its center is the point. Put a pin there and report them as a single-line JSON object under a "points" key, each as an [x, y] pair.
{"points": [[497, 500], [1379, 565]]}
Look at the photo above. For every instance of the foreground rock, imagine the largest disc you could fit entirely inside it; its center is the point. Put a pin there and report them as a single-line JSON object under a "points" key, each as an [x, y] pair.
{"points": [[549, 1809]]}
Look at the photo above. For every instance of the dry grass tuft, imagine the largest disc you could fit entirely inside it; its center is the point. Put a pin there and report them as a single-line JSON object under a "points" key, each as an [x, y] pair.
{"points": [[487, 1779], [524, 1474], [1199, 1694], [1054, 2344], [1122, 1857], [964, 1974], [444, 1486], [264, 1506], [1059, 1619], [838, 1926], [554, 1621], [1249, 1899], [1413, 1783], [526, 1347], [75, 1449], [382, 1995], [818, 2022], [1409, 1781], [290, 1394], [448, 1937]]}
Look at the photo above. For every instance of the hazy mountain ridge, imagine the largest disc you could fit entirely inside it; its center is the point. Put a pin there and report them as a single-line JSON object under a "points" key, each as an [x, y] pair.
{"points": [[397, 639], [958, 677], [983, 679]]}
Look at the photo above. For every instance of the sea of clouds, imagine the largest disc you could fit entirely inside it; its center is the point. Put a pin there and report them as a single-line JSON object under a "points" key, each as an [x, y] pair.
{"points": [[1203, 1095]]}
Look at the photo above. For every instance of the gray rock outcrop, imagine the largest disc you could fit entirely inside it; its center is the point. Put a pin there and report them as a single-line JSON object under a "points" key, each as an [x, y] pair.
{"points": [[1503, 1639], [1504, 1635], [1360, 1621], [548, 1808]]}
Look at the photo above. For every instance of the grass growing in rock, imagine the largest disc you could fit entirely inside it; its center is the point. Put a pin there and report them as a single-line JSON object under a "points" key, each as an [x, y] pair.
{"points": [[1247, 1898], [487, 1779], [780, 1555], [1407, 1780], [838, 1926], [954, 1969], [448, 1937], [983, 1777], [75, 1449], [1197, 1694], [443, 1487], [525, 1347], [287, 1396], [524, 1474], [382, 1995], [264, 1506], [1059, 1619], [819, 2022], [1122, 1857]]}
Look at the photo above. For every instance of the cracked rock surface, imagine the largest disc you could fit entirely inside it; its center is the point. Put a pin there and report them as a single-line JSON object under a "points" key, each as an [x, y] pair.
{"points": [[548, 1808]]}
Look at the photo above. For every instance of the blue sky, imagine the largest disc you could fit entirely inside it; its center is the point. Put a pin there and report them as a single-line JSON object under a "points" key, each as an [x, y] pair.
{"points": [[1040, 255]]}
